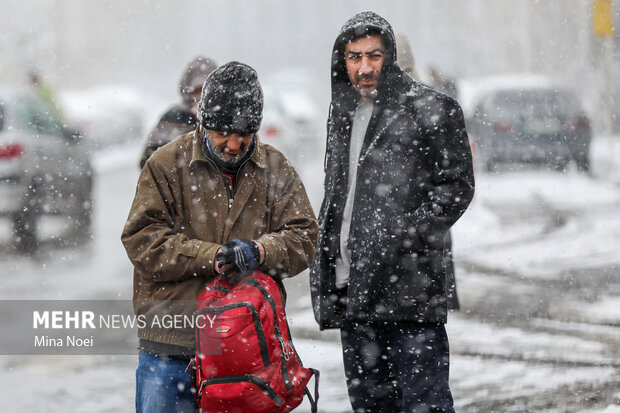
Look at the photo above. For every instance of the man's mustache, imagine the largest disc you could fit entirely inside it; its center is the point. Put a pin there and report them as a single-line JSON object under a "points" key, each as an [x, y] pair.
{"points": [[226, 151], [366, 76]]}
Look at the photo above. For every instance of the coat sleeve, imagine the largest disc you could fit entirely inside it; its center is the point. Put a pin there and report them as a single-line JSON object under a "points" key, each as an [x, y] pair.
{"points": [[290, 244], [176, 121], [159, 136], [156, 248], [449, 188]]}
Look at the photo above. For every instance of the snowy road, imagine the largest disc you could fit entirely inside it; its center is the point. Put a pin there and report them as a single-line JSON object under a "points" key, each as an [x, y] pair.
{"points": [[538, 280], [540, 294]]}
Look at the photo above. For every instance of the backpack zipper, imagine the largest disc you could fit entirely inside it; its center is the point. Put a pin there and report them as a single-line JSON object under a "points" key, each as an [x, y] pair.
{"points": [[287, 348], [258, 381]]}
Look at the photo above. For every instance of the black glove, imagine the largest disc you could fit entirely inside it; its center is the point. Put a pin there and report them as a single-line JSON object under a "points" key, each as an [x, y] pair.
{"points": [[242, 255]]}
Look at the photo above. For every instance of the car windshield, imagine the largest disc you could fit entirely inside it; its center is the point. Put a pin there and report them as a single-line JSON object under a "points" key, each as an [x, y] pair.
{"points": [[34, 115], [533, 103]]}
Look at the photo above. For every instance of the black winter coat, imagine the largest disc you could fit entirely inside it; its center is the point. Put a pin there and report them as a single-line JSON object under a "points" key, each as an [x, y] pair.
{"points": [[414, 180]]}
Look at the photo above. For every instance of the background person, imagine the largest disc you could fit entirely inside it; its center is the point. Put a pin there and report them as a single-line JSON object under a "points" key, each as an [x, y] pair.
{"points": [[442, 83], [46, 92], [181, 117], [406, 62]]}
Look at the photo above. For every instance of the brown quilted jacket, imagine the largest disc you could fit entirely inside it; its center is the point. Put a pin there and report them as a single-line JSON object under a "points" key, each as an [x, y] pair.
{"points": [[184, 209]]}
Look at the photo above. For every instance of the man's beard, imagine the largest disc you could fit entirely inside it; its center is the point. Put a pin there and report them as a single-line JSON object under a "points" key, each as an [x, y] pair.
{"points": [[371, 94], [367, 93], [230, 162]]}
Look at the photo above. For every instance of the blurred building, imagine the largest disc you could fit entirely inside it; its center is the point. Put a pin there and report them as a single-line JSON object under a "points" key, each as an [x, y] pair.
{"points": [[79, 43]]}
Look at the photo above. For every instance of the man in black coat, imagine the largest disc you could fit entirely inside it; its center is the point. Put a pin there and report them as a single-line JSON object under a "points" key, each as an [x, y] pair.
{"points": [[398, 176]]}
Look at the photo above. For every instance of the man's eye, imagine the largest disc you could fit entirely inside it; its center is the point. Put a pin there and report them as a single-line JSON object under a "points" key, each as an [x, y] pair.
{"points": [[354, 57]]}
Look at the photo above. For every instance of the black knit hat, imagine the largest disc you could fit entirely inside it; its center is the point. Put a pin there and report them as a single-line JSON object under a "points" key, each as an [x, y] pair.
{"points": [[231, 100]]}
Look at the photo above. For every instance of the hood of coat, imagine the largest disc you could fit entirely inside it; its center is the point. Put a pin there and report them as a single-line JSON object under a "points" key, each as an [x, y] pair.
{"points": [[194, 76], [360, 25]]}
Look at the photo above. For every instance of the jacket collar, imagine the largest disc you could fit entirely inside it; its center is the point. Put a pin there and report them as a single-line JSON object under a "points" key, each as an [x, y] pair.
{"points": [[258, 157]]}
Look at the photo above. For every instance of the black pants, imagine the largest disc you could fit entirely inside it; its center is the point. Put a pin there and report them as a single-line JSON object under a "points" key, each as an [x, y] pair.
{"points": [[397, 367]]}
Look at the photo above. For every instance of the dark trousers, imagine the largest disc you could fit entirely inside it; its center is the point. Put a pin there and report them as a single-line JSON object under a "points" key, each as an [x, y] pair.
{"points": [[397, 367]]}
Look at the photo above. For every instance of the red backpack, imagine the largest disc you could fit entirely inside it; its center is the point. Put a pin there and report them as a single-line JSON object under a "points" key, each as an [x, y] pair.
{"points": [[245, 360]]}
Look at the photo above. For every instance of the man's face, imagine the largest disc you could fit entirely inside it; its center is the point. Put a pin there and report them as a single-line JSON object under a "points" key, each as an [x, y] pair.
{"points": [[364, 58], [195, 100], [228, 147]]}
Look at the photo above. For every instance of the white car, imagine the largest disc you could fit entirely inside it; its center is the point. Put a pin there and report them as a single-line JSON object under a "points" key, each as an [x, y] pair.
{"points": [[291, 119], [525, 119], [107, 114], [44, 172]]}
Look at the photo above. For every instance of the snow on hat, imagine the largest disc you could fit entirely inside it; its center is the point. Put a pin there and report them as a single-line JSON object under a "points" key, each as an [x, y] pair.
{"points": [[231, 100]]}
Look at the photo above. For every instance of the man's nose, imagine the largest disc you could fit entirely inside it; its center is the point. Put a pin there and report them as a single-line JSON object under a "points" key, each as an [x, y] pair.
{"points": [[234, 142], [365, 66]]}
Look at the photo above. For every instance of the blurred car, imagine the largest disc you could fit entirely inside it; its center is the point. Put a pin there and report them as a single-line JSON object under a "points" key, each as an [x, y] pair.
{"points": [[291, 121], [44, 171], [525, 119], [107, 114]]}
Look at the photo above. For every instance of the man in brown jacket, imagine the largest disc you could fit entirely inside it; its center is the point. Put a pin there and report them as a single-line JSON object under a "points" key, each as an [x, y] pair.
{"points": [[217, 190]]}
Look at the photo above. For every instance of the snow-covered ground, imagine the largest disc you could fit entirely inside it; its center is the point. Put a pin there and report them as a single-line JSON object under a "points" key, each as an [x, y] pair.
{"points": [[538, 330]]}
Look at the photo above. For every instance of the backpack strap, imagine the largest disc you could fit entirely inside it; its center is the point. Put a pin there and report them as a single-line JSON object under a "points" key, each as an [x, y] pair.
{"points": [[220, 288], [314, 402]]}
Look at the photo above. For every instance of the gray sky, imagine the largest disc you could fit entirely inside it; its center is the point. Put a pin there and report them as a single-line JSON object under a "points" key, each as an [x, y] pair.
{"points": [[76, 43]]}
